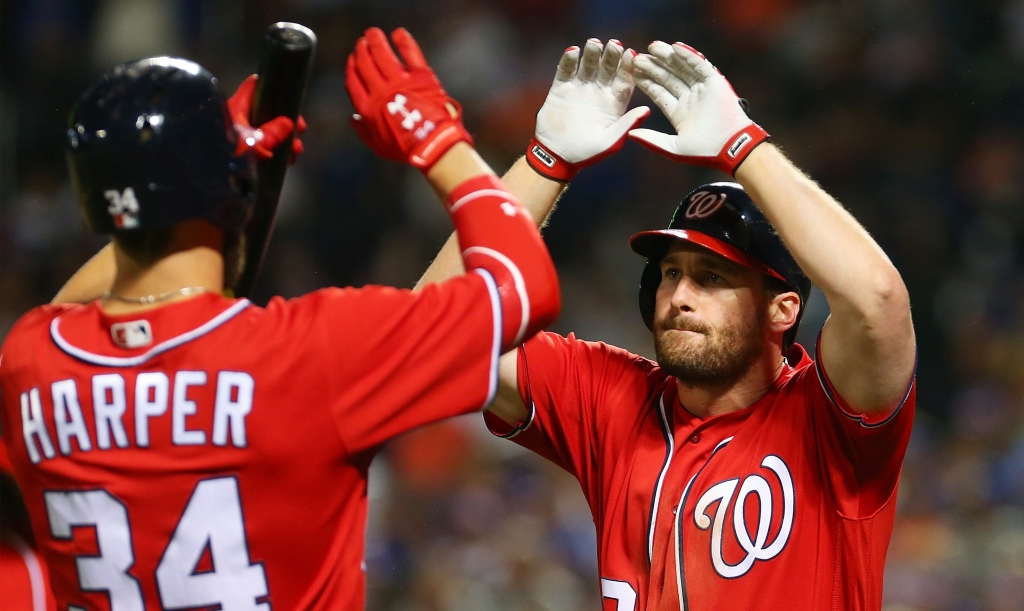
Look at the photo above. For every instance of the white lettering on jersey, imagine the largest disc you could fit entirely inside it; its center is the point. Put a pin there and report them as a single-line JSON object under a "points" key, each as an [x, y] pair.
{"points": [[123, 207], [183, 407], [67, 417], [234, 402], [758, 548], [109, 404], [33, 425], [153, 395], [151, 391]]}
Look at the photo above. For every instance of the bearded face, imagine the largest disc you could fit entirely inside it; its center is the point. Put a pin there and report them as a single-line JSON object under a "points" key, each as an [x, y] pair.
{"points": [[710, 317], [697, 353]]}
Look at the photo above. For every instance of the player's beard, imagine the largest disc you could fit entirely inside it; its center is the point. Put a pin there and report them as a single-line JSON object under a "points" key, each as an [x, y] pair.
{"points": [[725, 355]]}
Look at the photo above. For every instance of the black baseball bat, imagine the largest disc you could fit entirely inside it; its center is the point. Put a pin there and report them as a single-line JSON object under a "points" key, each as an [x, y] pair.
{"points": [[284, 72]]}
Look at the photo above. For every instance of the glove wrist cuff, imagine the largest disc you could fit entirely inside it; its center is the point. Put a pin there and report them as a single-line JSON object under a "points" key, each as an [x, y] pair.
{"points": [[739, 146], [429, 152], [548, 164]]}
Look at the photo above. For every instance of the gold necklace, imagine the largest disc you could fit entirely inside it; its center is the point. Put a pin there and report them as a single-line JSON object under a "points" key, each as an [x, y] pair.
{"points": [[149, 299]]}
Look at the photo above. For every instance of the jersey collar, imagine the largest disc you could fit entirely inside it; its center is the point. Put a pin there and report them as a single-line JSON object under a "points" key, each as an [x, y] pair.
{"points": [[85, 332]]}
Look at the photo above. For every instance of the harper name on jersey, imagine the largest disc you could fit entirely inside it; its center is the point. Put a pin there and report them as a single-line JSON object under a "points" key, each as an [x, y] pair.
{"points": [[151, 395], [216, 456]]}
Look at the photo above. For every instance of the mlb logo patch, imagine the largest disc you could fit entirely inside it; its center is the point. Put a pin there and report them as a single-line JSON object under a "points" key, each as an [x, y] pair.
{"points": [[132, 334]]}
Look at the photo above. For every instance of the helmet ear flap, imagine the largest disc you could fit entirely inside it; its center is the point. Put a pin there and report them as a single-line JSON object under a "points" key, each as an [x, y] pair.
{"points": [[649, 281]]}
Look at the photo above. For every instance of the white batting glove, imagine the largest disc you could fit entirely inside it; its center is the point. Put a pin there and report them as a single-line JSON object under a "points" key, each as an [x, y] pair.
{"points": [[584, 118], [712, 127]]}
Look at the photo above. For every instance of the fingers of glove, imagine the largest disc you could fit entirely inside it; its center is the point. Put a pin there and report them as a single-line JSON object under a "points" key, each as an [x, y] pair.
{"points": [[666, 55], [276, 131], [656, 141], [622, 84], [300, 127], [380, 49], [695, 60], [566, 70], [240, 102], [409, 49], [297, 149], [590, 61], [609, 62], [366, 67], [646, 67], [354, 84], [661, 97]]}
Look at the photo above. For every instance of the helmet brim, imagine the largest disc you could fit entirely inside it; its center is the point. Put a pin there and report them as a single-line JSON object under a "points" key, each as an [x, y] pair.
{"points": [[654, 244]]}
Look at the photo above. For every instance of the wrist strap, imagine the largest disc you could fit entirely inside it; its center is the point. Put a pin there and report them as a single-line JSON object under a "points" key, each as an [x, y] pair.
{"points": [[548, 164], [739, 146], [470, 186], [446, 135]]}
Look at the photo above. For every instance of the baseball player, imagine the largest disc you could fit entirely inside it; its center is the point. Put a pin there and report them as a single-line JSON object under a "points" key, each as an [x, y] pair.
{"points": [[737, 471], [179, 449]]}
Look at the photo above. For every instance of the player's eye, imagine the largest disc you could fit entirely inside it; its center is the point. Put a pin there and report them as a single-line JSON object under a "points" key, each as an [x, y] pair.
{"points": [[713, 279]]}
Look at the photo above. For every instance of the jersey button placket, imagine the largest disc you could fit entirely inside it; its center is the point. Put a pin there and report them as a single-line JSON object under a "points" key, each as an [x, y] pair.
{"points": [[695, 438]]}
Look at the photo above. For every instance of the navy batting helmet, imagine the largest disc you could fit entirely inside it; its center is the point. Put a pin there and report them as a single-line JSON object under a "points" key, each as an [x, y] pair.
{"points": [[722, 218], [151, 144]]}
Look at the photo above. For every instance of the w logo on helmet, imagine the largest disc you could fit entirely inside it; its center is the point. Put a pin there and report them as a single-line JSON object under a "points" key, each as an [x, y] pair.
{"points": [[703, 204], [123, 207]]}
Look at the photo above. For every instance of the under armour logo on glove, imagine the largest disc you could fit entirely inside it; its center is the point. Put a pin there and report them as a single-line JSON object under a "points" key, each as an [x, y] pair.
{"points": [[397, 106], [401, 110]]}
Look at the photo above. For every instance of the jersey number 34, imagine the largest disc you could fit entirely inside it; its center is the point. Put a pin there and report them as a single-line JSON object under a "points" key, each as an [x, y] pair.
{"points": [[212, 518]]}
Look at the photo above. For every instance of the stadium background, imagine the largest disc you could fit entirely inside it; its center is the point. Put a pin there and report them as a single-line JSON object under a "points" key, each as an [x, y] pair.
{"points": [[911, 112]]}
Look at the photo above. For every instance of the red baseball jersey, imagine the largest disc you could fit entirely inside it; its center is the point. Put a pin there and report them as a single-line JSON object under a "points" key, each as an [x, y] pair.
{"points": [[786, 504], [213, 454]]}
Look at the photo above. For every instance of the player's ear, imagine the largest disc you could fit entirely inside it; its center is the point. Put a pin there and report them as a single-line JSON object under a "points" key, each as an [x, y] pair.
{"points": [[783, 311]]}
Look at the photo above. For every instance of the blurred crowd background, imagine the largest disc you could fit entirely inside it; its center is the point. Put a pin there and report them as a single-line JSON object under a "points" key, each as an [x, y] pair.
{"points": [[911, 112]]}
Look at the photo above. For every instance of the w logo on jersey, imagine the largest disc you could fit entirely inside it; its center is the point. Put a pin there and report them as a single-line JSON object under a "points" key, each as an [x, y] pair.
{"points": [[758, 547]]}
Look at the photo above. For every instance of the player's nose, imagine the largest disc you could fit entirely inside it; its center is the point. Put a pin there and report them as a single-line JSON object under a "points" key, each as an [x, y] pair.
{"points": [[684, 295]]}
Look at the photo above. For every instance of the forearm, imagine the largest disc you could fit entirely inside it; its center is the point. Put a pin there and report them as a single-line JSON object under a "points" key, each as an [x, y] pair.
{"points": [[830, 246], [867, 345], [92, 280], [538, 196]]}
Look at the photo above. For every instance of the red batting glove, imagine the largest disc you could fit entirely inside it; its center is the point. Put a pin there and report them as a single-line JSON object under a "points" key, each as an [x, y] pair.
{"points": [[402, 112], [262, 140]]}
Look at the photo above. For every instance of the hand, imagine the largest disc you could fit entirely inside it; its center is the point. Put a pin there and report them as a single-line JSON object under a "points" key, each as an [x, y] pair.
{"points": [[584, 118], [402, 112], [712, 127], [262, 140]]}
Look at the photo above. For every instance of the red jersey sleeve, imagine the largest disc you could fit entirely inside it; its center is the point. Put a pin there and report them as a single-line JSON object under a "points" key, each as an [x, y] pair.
{"points": [[571, 389], [393, 360], [861, 455]]}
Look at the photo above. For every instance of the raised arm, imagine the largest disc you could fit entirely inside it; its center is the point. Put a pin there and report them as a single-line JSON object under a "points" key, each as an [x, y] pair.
{"points": [[867, 345], [403, 113], [583, 120]]}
